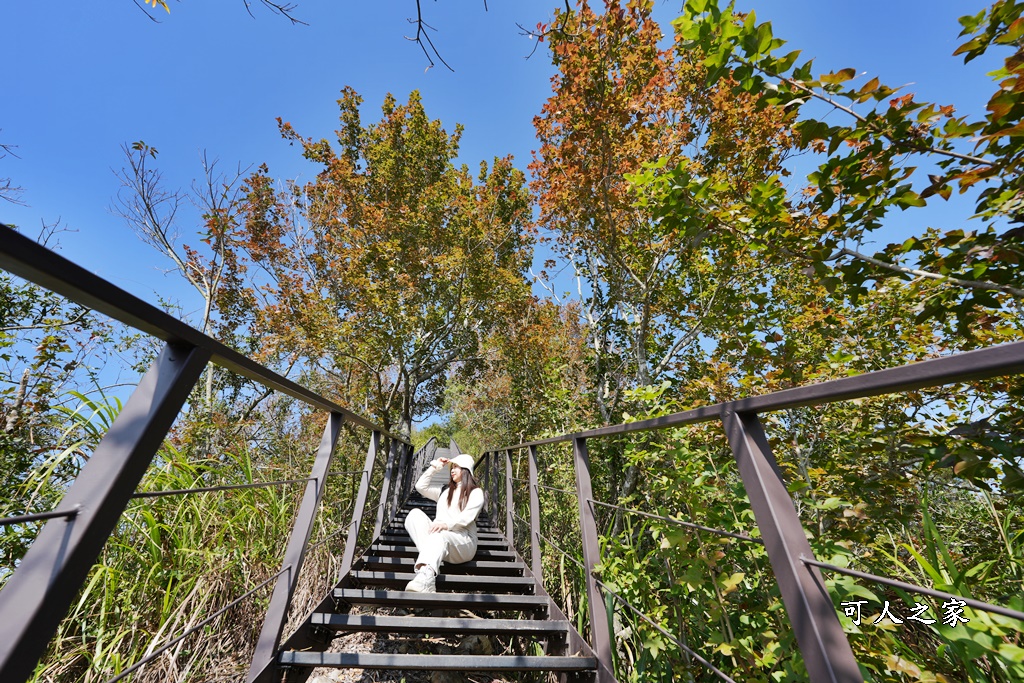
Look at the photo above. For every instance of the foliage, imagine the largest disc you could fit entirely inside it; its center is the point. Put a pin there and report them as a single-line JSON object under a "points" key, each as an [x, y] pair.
{"points": [[924, 486], [966, 279], [962, 293], [442, 431], [388, 269], [717, 595], [172, 561], [620, 101], [46, 346], [533, 379]]}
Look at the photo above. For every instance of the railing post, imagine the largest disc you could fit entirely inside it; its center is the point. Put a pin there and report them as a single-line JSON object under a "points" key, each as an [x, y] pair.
{"points": [[411, 472], [385, 487], [406, 472], [601, 641], [400, 478], [358, 508], [535, 516], [825, 649], [37, 596], [509, 529], [492, 481], [295, 551]]}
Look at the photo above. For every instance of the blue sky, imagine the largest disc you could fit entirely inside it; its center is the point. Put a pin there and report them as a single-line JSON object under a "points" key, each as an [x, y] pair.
{"points": [[85, 77]]}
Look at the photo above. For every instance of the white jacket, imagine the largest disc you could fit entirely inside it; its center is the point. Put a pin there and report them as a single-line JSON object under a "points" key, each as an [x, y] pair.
{"points": [[457, 520]]}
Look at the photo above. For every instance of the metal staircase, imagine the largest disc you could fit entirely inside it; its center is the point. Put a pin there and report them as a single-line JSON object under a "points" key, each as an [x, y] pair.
{"points": [[502, 595], [495, 591]]}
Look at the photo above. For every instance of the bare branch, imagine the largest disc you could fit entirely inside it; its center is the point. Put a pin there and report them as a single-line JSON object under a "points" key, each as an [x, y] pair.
{"points": [[539, 36], [8, 190], [813, 93], [422, 38], [145, 10], [283, 9]]}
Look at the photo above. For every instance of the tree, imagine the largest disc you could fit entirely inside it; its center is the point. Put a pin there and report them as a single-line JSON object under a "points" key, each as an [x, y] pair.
{"points": [[962, 287], [48, 347], [534, 380], [620, 102], [388, 269], [622, 106], [920, 486], [891, 152], [151, 211]]}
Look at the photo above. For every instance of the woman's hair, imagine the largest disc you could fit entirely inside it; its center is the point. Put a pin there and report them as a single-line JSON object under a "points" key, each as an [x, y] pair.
{"points": [[468, 486]]}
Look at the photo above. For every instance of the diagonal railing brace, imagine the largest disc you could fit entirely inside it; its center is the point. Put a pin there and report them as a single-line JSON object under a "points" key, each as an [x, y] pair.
{"points": [[277, 611]]}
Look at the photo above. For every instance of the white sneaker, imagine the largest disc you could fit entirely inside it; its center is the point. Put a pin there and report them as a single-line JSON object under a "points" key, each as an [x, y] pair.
{"points": [[423, 582]]}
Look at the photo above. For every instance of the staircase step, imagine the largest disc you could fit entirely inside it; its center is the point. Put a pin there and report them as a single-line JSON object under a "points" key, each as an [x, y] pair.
{"points": [[395, 539], [430, 507], [482, 525], [391, 624], [481, 534], [399, 527], [352, 660], [490, 601], [403, 512], [410, 551], [489, 567], [449, 582]]}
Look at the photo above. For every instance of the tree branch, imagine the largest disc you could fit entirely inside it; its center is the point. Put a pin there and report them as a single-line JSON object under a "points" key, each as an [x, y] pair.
{"points": [[903, 270], [421, 35], [813, 93]]}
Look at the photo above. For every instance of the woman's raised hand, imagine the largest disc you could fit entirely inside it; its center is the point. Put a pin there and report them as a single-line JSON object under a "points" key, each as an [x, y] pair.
{"points": [[443, 461]]}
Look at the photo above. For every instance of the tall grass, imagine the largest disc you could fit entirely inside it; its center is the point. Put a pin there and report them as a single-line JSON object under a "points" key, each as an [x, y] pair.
{"points": [[173, 561]]}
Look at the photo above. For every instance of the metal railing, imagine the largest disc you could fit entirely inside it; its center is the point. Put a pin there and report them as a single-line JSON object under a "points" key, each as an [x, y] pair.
{"points": [[38, 594], [40, 591], [819, 633]]}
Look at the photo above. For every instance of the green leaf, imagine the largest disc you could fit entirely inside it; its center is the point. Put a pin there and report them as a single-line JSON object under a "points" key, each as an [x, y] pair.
{"points": [[787, 62], [838, 77], [764, 38], [908, 199], [697, 6], [971, 22], [1011, 652]]}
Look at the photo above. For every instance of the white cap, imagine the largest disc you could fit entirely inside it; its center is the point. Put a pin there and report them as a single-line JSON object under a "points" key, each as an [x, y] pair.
{"points": [[465, 461]]}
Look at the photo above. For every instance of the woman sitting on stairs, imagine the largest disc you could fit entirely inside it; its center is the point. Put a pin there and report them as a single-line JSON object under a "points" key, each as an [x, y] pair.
{"points": [[451, 537]]}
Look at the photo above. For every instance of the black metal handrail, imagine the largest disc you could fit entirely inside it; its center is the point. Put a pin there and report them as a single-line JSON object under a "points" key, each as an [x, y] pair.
{"points": [[580, 564], [39, 592], [893, 583], [226, 487], [31, 261], [995, 361], [564, 553], [823, 644]]}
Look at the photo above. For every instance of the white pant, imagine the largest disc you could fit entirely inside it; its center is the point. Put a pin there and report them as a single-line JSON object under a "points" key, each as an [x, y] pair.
{"points": [[451, 546]]}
